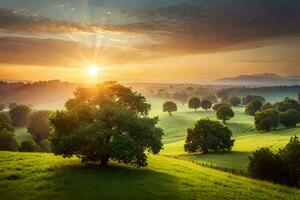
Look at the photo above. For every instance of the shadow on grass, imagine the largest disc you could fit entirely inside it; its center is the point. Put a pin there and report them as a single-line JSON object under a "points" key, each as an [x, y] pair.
{"points": [[113, 182]]}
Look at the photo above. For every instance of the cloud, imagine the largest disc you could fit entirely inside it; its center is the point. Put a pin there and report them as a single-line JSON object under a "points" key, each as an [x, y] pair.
{"points": [[24, 22]]}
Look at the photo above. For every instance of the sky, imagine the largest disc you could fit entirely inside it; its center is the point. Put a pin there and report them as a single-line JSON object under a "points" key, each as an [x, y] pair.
{"points": [[148, 40]]}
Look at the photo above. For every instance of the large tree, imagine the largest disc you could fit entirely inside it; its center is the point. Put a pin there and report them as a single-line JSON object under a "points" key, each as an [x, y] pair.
{"points": [[290, 118], [169, 106], [208, 135], [224, 113], [19, 115], [106, 122], [38, 125], [253, 107], [194, 103]]}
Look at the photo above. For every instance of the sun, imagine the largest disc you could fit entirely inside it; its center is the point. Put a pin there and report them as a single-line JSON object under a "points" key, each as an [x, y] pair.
{"points": [[93, 70]]}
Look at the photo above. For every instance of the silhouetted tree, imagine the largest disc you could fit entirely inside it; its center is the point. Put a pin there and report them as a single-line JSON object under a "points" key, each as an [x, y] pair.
{"points": [[217, 105], [253, 107], [290, 118], [208, 135], [170, 107], [38, 125], [287, 104], [235, 101], [182, 96], [28, 146], [224, 113], [5, 123], [206, 104], [194, 103], [19, 115], [246, 100], [110, 122], [2, 107], [266, 119], [8, 141]]}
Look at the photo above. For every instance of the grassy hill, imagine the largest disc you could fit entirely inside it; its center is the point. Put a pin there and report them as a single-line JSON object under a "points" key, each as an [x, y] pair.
{"points": [[44, 176]]}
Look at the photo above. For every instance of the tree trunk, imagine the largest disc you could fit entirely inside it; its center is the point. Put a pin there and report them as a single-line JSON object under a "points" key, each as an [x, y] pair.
{"points": [[104, 161], [170, 113], [195, 109]]}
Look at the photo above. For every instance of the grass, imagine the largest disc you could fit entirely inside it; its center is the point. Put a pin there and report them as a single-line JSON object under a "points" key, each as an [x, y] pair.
{"points": [[44, 176], [247, 139]]}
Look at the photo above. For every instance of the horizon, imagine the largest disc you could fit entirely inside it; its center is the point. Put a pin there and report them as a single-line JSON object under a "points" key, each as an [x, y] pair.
{"points": [[173, 41]]}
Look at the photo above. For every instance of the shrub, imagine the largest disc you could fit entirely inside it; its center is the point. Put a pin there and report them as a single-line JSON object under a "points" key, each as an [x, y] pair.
{"points": [[8, 141], [28, 146], [253, 107], [19, 115], [45, 146], [109, 122], [38, 125], [235, 101], [206, 104], [224, 113], [208, 135], [289, 118], [169, 107], [194, 103], [266, 119]]}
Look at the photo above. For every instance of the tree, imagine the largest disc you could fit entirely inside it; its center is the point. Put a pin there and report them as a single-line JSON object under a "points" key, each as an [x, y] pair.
{"points": [[253, 107], [194, 103], [206, 104], [266, 106], [8, 141], [290, 155], [266, 119], [38, 125], [5, 123], [223, 95], [12, 105], [182, 97], [246, 100], [170, 107], [212, 98], [289, 118], [224, 113], [266, 165], [217, 105], [208, 135], [45, 146], [2, 107], [28, 146], [109, 122], [19, 115], [287, 104], [235, 101]]}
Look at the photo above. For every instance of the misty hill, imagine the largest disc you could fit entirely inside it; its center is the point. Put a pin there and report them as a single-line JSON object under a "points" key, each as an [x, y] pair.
{"points": [[260, 79]]}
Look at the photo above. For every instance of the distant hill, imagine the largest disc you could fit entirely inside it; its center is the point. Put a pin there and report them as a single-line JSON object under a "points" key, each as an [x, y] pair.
{"points": [[260, 79]]}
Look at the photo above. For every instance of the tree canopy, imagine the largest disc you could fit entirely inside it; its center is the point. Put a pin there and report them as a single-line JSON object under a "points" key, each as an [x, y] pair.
{"points": [[169, 106], [106, 122], [206, 104], [266, 119], [208, 135], [19, 115], [235, 101], [224, 113], [194, 103], [253, 107]]}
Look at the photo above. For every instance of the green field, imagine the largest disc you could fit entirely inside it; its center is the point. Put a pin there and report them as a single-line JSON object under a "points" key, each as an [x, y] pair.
{"points": [[44, 176]]}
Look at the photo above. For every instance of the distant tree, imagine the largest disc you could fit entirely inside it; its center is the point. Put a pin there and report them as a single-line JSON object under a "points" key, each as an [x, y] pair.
{"points": [[2, 107], [224, 113], [45, 146], [190, 89], [235, 101], [253, 107], [28, 146], [169, 106], [109, 122], [19, 115], [194, 103], [38, 125], [266, 106], [246, 100], [208, 135], [206, 104], [266, 119], [12, 105], [182, 96], [8, 141], [217, 105], [212, 98], [290, 155], [265, 165], [223, 95], [287, 104], [290, 118]]}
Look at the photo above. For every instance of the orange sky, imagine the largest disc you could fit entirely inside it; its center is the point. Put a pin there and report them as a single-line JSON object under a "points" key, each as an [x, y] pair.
{"points": [[186, 41]]}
